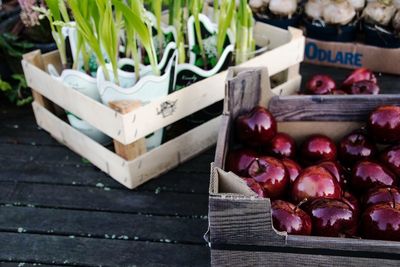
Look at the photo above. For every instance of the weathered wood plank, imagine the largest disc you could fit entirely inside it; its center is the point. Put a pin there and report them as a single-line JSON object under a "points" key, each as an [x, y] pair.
{"points": [[243, 92], [223, 138], [99, 199], [24, 264], [251, 258], [102, 224], [35, 58], [328, 108], [60, 156], [95, 252], [19, 126], [236, 220], [189, 182]]}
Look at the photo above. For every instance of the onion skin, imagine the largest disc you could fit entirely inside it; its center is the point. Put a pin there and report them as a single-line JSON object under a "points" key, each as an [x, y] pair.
{"points": [[313, 8], [379, 13], [338, 12], [284, 8], [357, 4], [396, 22], [259, 6]]}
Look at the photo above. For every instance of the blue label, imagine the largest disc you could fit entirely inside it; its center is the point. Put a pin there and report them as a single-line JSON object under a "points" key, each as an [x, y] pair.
{"points": [[313, 52]]}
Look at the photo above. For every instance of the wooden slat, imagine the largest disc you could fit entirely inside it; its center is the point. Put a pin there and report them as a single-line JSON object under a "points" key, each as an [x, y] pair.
{"points": [[241, 220], [102, 224], [243, 92], [183, 180], [344, 244], [90, 252], [98, 199], [245, 88], [251, 258], [35, 58], [23, 264], [328, 108], [59, 156], [174, 152], [131, 173], [97, 114], [223, 139]]}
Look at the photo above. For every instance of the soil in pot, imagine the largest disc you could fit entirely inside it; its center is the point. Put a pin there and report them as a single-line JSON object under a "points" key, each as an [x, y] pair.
{"points": [[332, 33]]}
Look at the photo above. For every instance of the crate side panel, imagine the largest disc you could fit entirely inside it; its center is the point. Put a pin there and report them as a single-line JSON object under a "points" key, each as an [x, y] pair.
{"points": [[328, 108], [100, 156], [242, 220], [95, 113], [174, 152], [251, 258], [345, 244]]}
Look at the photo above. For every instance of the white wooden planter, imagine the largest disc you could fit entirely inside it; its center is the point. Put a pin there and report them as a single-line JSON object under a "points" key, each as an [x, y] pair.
{"points": [[87, 85], [189, 73], [147, 89], [285, 53]]}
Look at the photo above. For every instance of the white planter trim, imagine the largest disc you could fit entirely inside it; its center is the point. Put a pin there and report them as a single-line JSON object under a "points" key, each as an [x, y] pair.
{"points": [[88, 88], [207, 73]]}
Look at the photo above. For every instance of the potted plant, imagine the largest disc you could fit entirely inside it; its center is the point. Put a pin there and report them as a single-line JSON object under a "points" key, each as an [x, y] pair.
{"points": [[380, 25], [331, 20], [101, 27], [213, 44], [80, 74], [210, 45]]}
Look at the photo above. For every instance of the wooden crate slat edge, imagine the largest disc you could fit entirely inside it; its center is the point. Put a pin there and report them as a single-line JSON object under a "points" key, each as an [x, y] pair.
{"points": [[328, 108], [251, 258], [130, 173], [95, 113], [174, 152], [100, 156]]}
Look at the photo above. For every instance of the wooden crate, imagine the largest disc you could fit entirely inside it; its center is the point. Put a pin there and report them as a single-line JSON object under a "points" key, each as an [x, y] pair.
{"points": [[132, 126], [240, 223]]}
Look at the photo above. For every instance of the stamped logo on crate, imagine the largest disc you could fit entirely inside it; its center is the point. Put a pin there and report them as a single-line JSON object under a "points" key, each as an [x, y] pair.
{"points": [[328, 53], [167, 108]]}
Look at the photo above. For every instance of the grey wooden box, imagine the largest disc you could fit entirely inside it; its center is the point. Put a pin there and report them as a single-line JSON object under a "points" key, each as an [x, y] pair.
{"points": [[240, 225]]}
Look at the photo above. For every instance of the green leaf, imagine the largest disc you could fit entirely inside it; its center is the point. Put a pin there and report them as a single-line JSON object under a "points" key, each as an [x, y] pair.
{"points": [[227, 11], [53, 6], [87, 19], [199, 62], [5, 86], [135, 20], [196, 49], [213, 61], [21, 80]]}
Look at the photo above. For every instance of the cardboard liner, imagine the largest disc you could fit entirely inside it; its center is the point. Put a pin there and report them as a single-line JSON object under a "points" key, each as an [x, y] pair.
{"points": [[352, 56]]}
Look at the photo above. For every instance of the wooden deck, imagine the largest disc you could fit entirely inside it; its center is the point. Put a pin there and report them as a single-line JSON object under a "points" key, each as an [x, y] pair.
{"points": [[56, 209]]}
